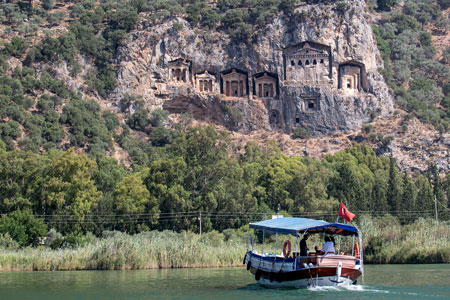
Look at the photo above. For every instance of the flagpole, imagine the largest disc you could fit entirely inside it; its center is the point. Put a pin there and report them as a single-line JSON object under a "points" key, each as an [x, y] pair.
{"points": [[337, 218]]}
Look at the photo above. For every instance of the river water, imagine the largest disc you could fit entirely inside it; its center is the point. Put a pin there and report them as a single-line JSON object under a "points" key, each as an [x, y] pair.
{"points": [[381, 282]]}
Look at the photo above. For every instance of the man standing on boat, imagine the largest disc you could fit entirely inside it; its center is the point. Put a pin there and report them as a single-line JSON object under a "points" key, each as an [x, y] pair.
{"points": [[303, 247]]}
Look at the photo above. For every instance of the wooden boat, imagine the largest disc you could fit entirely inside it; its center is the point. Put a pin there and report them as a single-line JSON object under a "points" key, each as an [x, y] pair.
{"points": [[316, 269]]}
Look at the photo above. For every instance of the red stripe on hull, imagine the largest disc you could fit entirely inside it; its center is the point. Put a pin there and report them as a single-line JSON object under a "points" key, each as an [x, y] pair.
{"points": [[307, 273]]}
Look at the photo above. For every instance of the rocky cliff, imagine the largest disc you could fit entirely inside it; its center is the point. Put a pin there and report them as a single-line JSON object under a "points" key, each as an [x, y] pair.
{"points": [[315, 68]]}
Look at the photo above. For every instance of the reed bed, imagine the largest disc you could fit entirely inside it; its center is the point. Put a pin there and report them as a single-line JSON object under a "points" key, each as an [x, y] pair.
{"points": [[122, 252], [388, 242], [385, 241]]}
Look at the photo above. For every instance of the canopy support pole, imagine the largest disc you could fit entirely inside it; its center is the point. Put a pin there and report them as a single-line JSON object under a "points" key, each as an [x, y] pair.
{"points": [[339, 246], [248, 239], [253, 238], [276, 240], [361, 261], [353, 246], [262, 250]]}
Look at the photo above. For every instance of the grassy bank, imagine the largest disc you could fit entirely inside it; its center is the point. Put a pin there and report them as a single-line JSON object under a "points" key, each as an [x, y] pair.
{"points": [[385, 241], [388, 242], [121, 251]]}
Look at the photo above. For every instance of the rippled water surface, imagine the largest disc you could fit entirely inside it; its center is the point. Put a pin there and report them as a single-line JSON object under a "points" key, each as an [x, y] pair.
{"points": [[381, 282]]}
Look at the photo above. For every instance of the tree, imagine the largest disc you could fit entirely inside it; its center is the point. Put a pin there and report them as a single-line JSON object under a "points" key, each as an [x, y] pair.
{"points": [[23, 227], [242, 32], [438, 188], [139, 120], [301, 133], [16, 47], [68, 188], [48, 4], [444, 3], [380, 191], [130, 195], [210, 18], [386, 4], [409, 194], [287, 6], [161, 136], [425, 199], [158, 117], [131, 198], [394, 195]]}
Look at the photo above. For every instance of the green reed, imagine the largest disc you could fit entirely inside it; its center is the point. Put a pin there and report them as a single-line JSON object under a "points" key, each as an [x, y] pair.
{"points": [[424, 241], [385, 241], [142, 251]]}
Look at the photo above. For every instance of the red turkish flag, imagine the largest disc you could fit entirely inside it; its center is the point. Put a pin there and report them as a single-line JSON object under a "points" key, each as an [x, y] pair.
{"points": [[345, 213]]}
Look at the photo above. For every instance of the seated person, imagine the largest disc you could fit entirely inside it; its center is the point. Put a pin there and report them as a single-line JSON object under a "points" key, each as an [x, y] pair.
{"points": [[328, 246], [316, 248]]}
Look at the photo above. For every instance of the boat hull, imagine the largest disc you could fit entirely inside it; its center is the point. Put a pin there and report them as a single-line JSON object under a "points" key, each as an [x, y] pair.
{"points": [[306, 278], [279, 272]]}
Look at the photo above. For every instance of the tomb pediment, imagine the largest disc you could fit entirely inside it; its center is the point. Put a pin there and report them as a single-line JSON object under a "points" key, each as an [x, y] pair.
{"points": [[179, 62], [307, 52], [306, 49], [265, 77], [205, 75]]}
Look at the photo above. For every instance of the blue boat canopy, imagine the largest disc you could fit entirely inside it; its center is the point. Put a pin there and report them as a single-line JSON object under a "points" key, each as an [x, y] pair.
{"points": [[295, 226]]}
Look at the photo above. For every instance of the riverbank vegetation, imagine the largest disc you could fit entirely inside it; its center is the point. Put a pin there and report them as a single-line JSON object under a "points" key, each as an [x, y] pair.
{"points": [[385, 241], [201, 174], [414, 69], [182, 175]]}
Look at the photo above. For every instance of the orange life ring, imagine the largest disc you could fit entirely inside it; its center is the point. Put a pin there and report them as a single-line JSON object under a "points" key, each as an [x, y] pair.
{"points": [[287, 244], [356, 250]]}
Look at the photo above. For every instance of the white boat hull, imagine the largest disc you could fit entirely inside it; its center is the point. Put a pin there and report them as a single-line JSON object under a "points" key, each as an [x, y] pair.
{"points": [[289, 273], [306, 283]]}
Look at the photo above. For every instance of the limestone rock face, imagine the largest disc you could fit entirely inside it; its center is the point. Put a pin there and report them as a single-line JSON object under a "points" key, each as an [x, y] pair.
{"points": [[324, 64]]}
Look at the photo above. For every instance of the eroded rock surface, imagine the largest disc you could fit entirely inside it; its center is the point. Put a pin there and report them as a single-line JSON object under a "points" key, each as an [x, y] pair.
{"points": [[324, 65]]}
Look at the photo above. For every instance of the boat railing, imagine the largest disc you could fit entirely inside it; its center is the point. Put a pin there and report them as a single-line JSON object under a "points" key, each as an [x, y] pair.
{"points": [[325, 260]]}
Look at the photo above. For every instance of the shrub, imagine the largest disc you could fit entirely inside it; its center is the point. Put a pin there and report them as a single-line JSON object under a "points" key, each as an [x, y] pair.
{"points": [[177, 26], [77, 10], [7, 242], [23, 227], [301, 133], [160, 136], [158, 117], [56, 17], [210, 18], [444, 3], [342, 7], [48, 4], [16, 47], [241, 32], [367, 128], [111, 121], [386, 4], [139, 120]]}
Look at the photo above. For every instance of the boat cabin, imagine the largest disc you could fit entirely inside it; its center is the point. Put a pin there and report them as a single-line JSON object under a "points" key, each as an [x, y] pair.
{"points": [[279, 261]]}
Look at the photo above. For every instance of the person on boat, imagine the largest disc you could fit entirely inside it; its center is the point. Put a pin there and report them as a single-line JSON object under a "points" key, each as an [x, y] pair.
{"points": [[328, 246], [303, 246]]}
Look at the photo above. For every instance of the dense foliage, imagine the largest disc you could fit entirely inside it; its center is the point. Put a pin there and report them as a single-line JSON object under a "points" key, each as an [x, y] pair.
{"points": [[170, 185], [420, 82]]}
